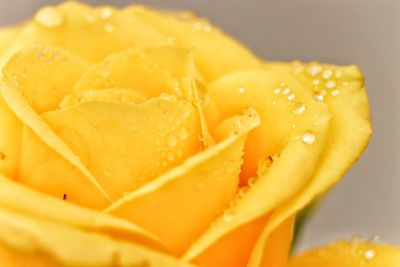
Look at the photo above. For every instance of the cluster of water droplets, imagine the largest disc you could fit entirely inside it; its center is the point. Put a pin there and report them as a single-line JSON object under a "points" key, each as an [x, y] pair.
{"points": [[297, 107], [48, 55], [325, 79], [172, 131]]}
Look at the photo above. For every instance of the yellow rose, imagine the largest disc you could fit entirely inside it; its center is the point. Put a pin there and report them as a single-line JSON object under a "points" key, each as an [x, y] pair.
{"points": [[138, 137]]}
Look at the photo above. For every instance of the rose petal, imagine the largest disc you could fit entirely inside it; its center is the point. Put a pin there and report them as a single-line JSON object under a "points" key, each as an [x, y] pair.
{"points": [[352, 254], [44, 142], [231, 250], [300, 148], [181, 204], [213, 50], [7, 36], [349, 133], [43, 83], [108, 136], [48, 242], [77, 27], [10, 140], [130, 69], [116, 95], [152, 71], [275, 246], [44, 74], [24, 200]]}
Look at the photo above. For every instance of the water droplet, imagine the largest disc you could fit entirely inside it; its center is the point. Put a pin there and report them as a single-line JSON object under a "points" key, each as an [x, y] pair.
{"points": [[369, 254], [207, 27], [183, 133], [172, 141], [242, 191], [198, 26], [202, 138], [308, 138], [277, 90], [252, 181], [286, 91], [318, 97], [171, 156], [263, 165], [49, 17], [108, 28], [237, 127], [297, 68], [242, 90], [250, 113], [327, 74], [90, 18], [229, 215], [330, 84], [314, 70], [298, 107], [106, 13], [375, 239], [274, 157], [335, 92], [316, 82], [356, 239], [338, 74], [345, 83], [291, 97]]}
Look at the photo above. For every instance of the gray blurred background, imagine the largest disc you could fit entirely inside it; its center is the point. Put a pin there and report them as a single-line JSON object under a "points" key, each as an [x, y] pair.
{"points": [[362, 32]]}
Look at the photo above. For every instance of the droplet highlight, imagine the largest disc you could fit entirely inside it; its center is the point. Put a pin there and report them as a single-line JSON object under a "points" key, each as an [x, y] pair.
{"points": [[49, 17], [308, 138]]}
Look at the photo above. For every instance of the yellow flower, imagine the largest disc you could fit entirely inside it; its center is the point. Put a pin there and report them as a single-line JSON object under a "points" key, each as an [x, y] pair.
{"points": [[138, 137]]}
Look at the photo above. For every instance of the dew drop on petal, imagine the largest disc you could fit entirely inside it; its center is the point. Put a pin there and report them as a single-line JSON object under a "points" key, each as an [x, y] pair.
{"points": [[316, 82], [229, 215], [327, 74], [237, 127], [252, 181], [318, 97], [314, 70], [242, 90], [369, 254], [308, 138], [106, 13], [330, 84], [183, 133], [172, 141], [277, 90], [286, 91], [108, 28], [291, 97], [49, 17], [263, 166], [338, 74], [171, 156], [298, 107], [90, 18], [335, 92]]}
